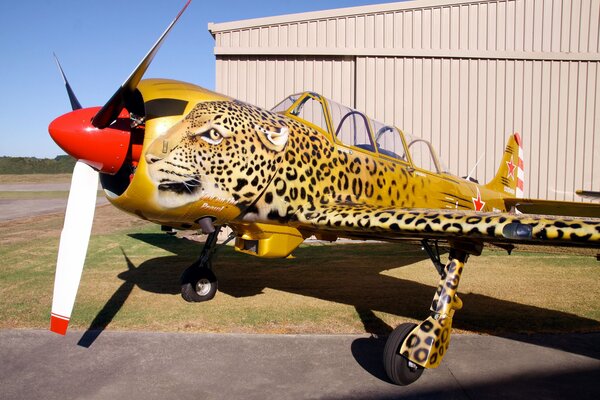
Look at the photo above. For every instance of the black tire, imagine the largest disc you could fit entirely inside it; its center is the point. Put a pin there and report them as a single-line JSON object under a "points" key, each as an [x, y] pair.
{"points": [[198, 284], [396, 366]]}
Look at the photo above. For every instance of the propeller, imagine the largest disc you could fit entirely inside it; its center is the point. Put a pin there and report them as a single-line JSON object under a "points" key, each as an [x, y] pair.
{"points": [[75, 104], [99, 139], [113, 107], [74, 240], [75, 234]]}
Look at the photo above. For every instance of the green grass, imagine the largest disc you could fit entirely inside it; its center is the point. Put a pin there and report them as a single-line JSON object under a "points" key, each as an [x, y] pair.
{"points": [[34, 178], [131, 283]]}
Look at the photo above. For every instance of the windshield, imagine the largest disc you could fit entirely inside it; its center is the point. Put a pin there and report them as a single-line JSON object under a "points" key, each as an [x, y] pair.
{"points": [[285, 104]]}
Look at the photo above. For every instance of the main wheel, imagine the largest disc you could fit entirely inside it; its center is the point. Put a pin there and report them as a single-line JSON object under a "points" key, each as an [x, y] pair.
{"points": [[398, 368], [198, 284]]}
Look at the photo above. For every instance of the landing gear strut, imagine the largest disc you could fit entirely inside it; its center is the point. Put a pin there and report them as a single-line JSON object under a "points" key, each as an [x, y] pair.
{"points": [[198, 282], [410, 348], [434, 255]]}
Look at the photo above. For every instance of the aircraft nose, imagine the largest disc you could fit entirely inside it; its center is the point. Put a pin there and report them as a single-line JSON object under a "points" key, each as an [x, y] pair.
{"points": [[102, 149]]}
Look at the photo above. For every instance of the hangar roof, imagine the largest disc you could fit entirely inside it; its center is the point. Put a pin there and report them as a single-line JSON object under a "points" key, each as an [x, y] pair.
{"points": [[334, 13]]}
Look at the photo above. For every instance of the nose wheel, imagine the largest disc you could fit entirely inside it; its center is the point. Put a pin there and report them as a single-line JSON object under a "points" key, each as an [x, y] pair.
{"points": [[198, 283]]}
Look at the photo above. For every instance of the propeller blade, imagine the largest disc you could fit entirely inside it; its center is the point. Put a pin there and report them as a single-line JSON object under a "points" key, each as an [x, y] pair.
{"points": [[75, 104], [74, 241], [113, 107]]}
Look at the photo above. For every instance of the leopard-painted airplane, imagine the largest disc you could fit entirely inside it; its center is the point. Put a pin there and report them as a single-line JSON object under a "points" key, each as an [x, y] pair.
{"points": [[187, 158]]}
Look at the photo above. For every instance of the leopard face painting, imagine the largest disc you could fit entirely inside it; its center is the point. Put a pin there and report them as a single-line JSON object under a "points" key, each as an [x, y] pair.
{"points": [[221, 150]]}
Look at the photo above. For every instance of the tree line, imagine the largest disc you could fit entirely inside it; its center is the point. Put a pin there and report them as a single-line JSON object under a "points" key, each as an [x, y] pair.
{"points": [[31, 165]]}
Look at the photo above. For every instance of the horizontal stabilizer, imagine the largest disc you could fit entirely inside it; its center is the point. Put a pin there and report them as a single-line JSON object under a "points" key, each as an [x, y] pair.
{"points": [[551, 207], [588, 194]]}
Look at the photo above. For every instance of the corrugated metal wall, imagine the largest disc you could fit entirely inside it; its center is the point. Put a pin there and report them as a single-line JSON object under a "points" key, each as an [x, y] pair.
{"points": [[463, 74], [265, 81]]}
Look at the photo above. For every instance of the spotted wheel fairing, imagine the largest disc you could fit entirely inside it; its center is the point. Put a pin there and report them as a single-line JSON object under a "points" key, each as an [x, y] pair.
{"points": [[428, 343]]}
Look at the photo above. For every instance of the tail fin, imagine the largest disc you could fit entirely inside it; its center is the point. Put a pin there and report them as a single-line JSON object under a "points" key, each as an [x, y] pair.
{"points": [[510, 176]]}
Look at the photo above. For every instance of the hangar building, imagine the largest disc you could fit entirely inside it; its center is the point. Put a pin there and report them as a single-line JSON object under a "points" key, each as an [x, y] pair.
{"points": [[463, 74]]}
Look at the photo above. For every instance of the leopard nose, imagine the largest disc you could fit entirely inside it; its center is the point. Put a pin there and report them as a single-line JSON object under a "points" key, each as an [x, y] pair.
{"points": [[151, 158]]}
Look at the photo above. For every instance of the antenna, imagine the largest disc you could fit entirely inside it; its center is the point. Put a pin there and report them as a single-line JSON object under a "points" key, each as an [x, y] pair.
{"points": [[475, 167]]}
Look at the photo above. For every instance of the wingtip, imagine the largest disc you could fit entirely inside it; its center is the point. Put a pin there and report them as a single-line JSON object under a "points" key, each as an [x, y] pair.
{"points": [[59, 324]]}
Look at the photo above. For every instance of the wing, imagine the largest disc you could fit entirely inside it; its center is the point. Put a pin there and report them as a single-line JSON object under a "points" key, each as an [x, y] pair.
{"points": [[550, 207], [391, 223]]}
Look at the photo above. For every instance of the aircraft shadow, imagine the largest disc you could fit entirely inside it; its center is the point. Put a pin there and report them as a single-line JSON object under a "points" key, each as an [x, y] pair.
{"points": [[581, 384], [111, 308], [320, 272]]}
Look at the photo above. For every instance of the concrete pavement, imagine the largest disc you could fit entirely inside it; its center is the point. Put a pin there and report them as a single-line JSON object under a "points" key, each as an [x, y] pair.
{"points": [[23, 208], [132, 365]]}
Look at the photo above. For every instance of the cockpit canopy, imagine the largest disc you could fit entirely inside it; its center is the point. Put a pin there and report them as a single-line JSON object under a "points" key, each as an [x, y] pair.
{"points": [[352, 128]]}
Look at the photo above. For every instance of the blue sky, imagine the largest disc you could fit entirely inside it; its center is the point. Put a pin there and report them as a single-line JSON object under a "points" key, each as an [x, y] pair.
{"points": [[99, 42]]}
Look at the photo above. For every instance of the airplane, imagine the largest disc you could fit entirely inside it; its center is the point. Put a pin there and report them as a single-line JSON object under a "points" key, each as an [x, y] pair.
{"points": [[188, 158]]}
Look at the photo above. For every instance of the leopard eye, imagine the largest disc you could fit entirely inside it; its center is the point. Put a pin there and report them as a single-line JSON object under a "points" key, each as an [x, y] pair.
{"points": [[212, 136]]}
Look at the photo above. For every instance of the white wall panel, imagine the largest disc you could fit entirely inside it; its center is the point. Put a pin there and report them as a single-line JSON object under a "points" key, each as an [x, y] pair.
{"points": [[464, 74], [266, 82], [475, 104]]}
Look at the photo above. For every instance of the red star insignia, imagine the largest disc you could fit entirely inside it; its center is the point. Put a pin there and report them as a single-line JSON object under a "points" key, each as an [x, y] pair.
{"points": [[511, 169], [477, 202]]}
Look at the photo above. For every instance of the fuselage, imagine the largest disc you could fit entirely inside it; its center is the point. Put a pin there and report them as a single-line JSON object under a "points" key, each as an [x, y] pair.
{"points": [[313, 168]]}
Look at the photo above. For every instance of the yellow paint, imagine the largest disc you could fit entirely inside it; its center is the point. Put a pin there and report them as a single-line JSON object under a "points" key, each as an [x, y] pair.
{"points": [[267, 241], [395, 193]]}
